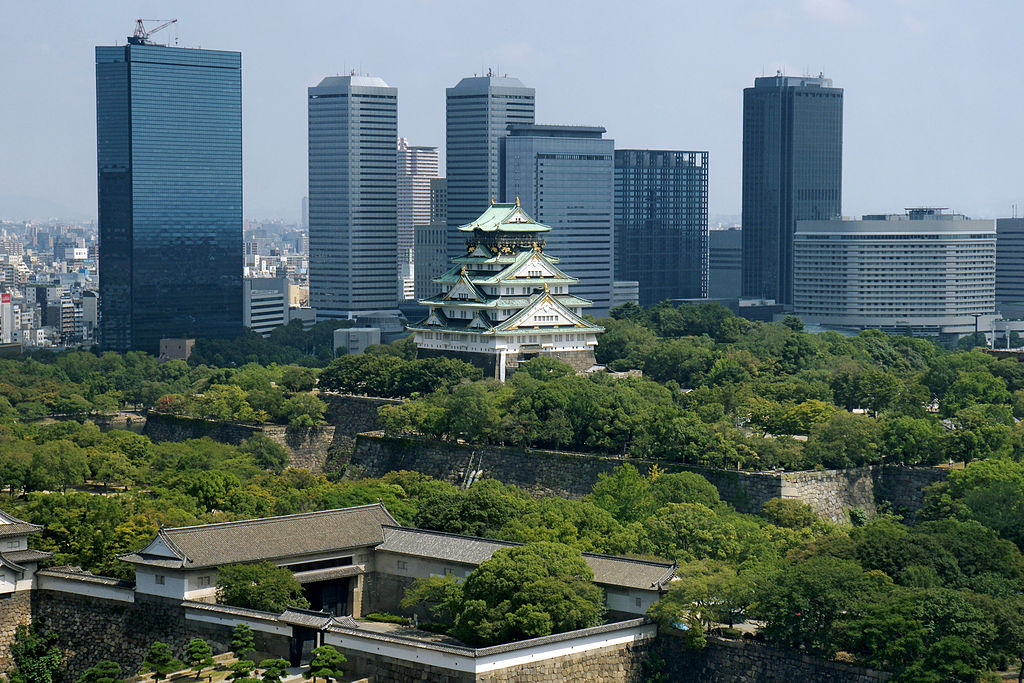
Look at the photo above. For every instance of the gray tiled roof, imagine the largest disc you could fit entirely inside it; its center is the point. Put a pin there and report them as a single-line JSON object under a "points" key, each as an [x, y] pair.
{"points": [[314, 575], [306, 617], [608, 570], [439, 545], [79, 574], [270, 538], [20, 556], [12, 526]]}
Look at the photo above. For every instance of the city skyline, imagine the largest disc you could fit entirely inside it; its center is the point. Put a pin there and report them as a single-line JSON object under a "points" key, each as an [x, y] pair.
{"points": [[883, 54]]}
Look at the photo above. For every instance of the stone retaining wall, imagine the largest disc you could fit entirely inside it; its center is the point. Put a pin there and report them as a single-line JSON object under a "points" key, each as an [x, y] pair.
{"points": [[91, 629], [742, 661], [615, 664], [832, 493], [310, 449], [15, 609]]}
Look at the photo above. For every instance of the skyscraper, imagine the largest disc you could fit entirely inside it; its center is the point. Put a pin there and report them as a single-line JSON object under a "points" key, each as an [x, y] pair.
{"points": [[417, 169], [564, 177], [792, 170], [169, 173], [661, 223], [353, 126], [478, 113], [431, 259], [1010, 267]]}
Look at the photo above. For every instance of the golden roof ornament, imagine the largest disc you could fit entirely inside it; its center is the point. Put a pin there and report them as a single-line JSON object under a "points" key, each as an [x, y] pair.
{"points": [[492, 199], [546, 290], [517, 200], [463, 271]]}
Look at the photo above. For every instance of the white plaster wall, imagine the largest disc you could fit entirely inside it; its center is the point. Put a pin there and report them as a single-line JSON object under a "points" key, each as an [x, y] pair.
{"points": [[624, 600], [429, 656], [195, 591], [418, 567], [87, 588], [231, 621], [174, 585]]}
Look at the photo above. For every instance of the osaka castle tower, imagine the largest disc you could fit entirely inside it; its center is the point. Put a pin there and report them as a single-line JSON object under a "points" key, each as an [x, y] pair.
{"points": [[506, 301]]}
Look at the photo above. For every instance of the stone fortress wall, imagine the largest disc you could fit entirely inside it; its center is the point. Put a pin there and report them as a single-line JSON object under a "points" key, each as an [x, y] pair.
{"points": [[344, 443], [832, 493]]}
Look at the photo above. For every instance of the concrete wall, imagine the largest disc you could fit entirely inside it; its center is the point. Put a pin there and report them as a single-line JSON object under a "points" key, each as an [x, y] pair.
{"points": [[830, 492], [744, 661]]}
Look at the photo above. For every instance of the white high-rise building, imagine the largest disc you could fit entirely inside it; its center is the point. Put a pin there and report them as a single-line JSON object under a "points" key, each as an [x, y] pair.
{"points": [[353, 125], [924, 272], [417, 166]]}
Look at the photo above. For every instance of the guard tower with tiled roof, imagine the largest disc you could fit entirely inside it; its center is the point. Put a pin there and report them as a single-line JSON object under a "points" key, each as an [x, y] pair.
{"points": [[18, 563], [505, 300]]}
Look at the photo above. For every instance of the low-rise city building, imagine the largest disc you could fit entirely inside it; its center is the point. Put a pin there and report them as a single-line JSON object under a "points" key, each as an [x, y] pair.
{"points": [[925, 272]]}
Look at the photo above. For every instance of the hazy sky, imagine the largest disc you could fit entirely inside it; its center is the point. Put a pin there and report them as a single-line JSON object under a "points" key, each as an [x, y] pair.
{"points": [[933, 104]]}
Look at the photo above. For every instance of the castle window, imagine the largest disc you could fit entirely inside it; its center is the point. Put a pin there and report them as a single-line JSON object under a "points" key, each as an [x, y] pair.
{"points": [[159, 579], [402, 565]]}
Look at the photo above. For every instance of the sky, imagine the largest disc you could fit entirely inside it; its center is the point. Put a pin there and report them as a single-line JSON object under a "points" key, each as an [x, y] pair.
{"points": [[933, 88]]}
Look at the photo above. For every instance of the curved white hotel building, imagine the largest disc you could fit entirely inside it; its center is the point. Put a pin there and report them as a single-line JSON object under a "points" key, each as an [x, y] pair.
{"points": [[925, 272]]}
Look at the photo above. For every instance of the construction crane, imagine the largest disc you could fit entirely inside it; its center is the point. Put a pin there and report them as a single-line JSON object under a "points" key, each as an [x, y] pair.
{"points": [[141, 35]]}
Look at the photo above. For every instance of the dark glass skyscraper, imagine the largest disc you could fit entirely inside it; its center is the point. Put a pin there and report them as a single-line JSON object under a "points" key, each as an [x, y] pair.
{"points": [[169, 166], [792, 170], [661, 223], [478, 112], [564, 177]]}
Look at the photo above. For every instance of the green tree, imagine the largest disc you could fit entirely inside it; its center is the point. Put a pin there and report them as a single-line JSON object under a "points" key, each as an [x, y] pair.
{"points": [[789, 513], [296, 378], [198, 655], [522, 592], [804, 603], [36, 657], [242, 671], [274, 670], [911, 441], [847, 440], [304, 411], [326, 664], [690, 531], [105, 671], [265, 452], [161, 661], [243, 641], [624, 493], [260, 586]]}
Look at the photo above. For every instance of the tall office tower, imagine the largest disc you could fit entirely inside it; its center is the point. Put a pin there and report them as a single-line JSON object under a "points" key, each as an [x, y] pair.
{"points": [[661, 223], [353, 125], [417, 168], [1010, 267], [431, 250], [478, 113], [563, 176], [169, 167], [792, 170]]}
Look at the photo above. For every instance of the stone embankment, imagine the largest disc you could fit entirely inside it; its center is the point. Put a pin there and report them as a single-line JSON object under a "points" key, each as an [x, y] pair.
{"points": [[744, 661], [832, 493]]}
